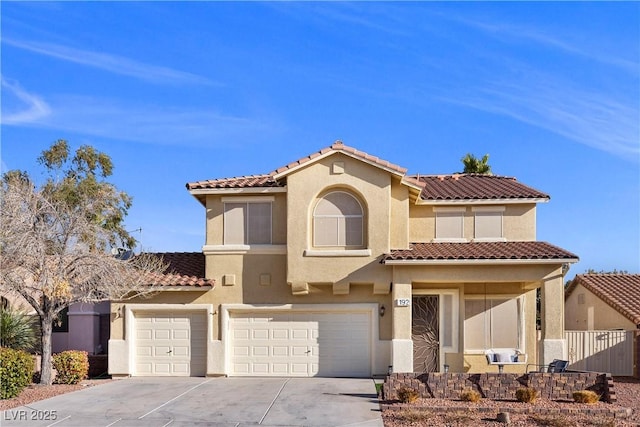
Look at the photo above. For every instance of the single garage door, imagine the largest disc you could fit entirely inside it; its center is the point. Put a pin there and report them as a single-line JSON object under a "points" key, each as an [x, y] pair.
{"points": [[170, 343], [301, 344]]}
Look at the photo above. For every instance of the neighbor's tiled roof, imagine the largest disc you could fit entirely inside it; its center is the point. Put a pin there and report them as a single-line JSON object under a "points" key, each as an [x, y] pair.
{"points": [[620, 291], [183, 269], [475, 186], [338, 146], [479, 251], [236, 182]]}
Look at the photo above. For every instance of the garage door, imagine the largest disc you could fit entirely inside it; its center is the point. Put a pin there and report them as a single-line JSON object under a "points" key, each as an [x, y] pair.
{"points": [[170, 343], [300, 344]]}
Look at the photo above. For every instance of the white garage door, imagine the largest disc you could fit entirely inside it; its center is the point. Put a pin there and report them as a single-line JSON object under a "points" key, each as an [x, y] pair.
{"points": [[170, 343], [300, 344]]}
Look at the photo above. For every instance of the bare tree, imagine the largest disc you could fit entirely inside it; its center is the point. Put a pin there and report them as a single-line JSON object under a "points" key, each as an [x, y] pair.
{"points": [[54, 252]]}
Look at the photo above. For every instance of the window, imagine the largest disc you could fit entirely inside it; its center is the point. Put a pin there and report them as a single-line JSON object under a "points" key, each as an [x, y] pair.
{"points": [[493, 323], [338, 220], [61, 323], [449, 224], [488, 223], [247, 223]]}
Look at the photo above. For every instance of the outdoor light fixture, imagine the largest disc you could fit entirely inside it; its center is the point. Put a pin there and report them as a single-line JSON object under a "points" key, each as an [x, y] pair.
{"points": [[446, 368], [382, 310]]}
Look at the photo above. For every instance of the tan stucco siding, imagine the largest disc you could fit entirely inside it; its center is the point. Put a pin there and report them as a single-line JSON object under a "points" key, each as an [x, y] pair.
{"points": [[589, 312], [371, 186], [399, 233], [518, 222], [215, 217]]}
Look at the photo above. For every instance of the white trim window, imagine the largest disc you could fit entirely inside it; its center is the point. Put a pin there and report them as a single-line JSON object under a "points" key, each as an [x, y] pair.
{"points": [[493, 322], [449, 224], [247, 222], [488, 224], [338, 221]]}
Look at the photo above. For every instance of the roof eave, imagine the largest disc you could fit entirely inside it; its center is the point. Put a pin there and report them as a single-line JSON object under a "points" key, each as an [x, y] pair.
{"points": [[287, 171], [481, 261], [509, 201]]}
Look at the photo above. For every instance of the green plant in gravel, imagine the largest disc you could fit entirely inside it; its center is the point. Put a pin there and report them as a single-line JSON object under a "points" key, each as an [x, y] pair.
{"points": [[72, 366], [16, 372], [408, 395], [586, 396], [18, 330], [526, 395], [470, 395]]}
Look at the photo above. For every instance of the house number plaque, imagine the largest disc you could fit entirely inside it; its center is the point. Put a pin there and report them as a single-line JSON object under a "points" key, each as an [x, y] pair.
{"points": [[403, 302]]}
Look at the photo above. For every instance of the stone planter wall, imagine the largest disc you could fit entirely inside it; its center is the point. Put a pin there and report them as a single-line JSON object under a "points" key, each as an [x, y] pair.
{"points": [[500, 386]]}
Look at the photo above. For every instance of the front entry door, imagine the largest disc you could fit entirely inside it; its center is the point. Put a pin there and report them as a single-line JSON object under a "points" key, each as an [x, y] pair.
{"points": [[425, 333]]}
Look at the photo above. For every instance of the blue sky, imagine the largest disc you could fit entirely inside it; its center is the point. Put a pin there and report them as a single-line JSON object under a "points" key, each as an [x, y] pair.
{"points": [[187, 91]]}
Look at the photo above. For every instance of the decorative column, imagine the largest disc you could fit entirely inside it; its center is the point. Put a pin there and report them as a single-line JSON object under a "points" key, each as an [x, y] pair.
{"points": [[401, 343], [553, 345]]}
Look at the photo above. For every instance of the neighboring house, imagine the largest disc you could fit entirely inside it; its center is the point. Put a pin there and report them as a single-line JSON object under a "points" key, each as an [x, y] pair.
{"points": [[602, 318], [341, 264], [601, 301]]}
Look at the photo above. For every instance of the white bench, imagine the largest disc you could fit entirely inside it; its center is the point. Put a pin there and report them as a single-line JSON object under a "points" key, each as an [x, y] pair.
{"points": [[505, 356]]}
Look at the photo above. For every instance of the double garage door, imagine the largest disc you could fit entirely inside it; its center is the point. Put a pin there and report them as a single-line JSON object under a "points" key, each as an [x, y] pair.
{"points": [[300, 344], [170, 343], [284, 343]]}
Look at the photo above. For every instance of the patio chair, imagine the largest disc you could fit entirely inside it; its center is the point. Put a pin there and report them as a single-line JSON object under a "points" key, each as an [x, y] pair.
{"points": [[556, 366]]}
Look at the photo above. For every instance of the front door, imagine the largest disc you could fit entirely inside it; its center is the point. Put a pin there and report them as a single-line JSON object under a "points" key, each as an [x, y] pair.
{"points": [[425, 333]]}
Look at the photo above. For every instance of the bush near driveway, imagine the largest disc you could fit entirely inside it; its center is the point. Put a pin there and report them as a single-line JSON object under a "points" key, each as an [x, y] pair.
{"points": [[16, 372], [72, 366]]}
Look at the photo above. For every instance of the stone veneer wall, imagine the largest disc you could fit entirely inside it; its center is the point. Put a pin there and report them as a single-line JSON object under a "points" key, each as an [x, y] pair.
{"points": [[497, 386]]}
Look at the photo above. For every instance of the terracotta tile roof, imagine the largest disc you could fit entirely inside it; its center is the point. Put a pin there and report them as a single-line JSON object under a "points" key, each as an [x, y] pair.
{"points": [[183, 269], [236, 182], [431, 187], [475, 186], [620, 291], [338, 146], [479, 251]]}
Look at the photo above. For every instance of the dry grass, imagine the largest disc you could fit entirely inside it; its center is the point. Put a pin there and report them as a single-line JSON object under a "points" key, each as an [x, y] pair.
{"points": [[408, 395], [470, 396], [586, 396], [526, 395]]}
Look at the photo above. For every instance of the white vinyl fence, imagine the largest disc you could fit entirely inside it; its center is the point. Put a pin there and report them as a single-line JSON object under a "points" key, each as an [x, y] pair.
{"points": [[601, 351]]}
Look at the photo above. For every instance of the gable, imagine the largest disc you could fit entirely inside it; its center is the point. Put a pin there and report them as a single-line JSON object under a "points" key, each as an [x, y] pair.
{"points": [[620, 291]]}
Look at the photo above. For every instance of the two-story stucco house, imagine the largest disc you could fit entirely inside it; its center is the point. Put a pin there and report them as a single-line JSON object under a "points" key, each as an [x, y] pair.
{"points": [[341, 264]]}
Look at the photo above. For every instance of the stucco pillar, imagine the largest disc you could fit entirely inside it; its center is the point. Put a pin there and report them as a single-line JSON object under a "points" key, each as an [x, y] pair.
{"points": [[401, 343], [553, 345]]}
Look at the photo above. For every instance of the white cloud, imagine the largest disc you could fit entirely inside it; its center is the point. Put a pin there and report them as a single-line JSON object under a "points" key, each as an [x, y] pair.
{"points": [[148, 123], [26, 108], [111, 63], [596, 119]]}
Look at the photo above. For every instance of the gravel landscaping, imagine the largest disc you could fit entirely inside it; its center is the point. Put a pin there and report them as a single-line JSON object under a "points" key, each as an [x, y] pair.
{"points": [[36, 392], [448, 412]]}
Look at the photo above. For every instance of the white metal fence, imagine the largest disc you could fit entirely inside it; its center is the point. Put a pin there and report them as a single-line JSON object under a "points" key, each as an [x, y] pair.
{"points": [[601, 351]]}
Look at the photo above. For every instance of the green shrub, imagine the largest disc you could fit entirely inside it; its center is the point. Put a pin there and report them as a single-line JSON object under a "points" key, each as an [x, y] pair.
{"points": [[18, 330], [585, 396], [16, 372], [470, 396], [408, 395], [72, 366], [526, 395]]}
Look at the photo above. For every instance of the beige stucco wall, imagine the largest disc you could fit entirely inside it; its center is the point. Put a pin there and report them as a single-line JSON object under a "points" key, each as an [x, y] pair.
{"points": [[372, 186], [518, 222], [215, 217], [593, 314]]}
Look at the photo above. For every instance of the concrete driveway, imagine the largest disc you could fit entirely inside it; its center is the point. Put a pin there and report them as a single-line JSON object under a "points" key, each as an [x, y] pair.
{"points": [[223, 402]]}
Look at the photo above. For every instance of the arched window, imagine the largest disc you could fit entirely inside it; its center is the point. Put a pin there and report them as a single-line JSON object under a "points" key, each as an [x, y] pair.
{"points": [[338, 221]]}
